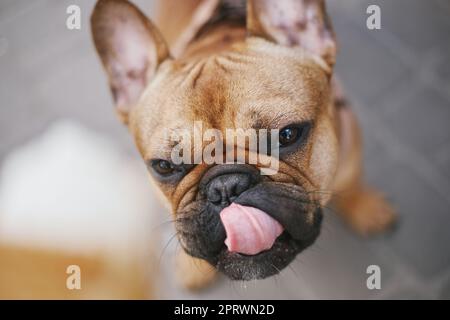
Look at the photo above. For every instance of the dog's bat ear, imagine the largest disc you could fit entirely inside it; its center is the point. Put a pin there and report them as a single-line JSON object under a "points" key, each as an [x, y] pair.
{"points": [[292, 23], [130, 47]]}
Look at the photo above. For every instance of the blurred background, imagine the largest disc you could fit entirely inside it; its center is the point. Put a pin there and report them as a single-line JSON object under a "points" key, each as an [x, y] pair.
{"points": [[73, 190]]}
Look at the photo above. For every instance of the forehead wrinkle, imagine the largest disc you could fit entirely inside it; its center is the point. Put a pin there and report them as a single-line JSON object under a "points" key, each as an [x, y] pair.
{"points": [[285, 104], [275, 120], [192, 71], [208, 95]]}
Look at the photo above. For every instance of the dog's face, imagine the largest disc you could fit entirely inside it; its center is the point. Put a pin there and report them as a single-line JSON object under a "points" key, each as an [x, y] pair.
{"points": [[250, 83]]}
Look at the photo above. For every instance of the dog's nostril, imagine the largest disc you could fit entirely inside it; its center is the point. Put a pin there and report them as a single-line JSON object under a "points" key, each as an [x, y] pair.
{"points": [[214, 197], [226, 188]]}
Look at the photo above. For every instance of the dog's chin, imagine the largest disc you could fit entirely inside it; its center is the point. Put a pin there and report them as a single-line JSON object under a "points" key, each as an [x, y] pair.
{"points": [[238, 266]]}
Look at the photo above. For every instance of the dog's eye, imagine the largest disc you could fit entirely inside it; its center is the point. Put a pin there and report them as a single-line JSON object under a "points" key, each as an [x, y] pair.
{"points": [[292, 134], [163, 167], [288, 136], [167, 171]]}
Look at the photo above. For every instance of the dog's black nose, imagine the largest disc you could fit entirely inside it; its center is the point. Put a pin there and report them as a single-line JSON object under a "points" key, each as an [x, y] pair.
{"points": [[225, 188], [222, 184]]}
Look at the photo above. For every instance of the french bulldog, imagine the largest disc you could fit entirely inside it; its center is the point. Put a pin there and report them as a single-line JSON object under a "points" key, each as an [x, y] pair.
{"points": [[256, 64]]}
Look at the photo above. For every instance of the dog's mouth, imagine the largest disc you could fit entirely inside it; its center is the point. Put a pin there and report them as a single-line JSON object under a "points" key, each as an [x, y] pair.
{"points": [[249, 230], [254, 234], [250, 259], [239, 266]]}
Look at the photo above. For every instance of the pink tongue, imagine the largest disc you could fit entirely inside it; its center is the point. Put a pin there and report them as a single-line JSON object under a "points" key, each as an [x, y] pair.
{"points": [[249, 230]]}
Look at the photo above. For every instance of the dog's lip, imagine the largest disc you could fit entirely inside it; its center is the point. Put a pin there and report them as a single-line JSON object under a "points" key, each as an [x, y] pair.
{"points": [[245, 200], [271, 215], [283, 237], [239, 266], [254, 204]]}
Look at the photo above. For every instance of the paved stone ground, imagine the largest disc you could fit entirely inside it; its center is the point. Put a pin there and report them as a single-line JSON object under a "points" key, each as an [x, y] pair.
{"points": [[399, 81]]}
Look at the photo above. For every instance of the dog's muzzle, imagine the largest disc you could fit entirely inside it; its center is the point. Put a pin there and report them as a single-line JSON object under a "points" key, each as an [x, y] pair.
{"points": [[202, 233]]}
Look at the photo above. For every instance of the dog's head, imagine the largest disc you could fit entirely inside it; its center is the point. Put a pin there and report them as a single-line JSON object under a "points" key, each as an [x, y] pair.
{"points": [[275, 75]]}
